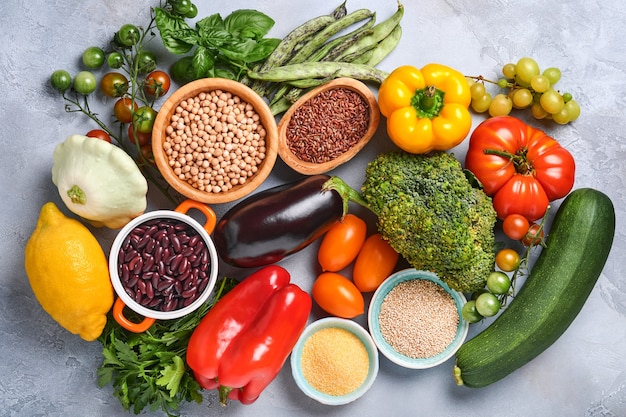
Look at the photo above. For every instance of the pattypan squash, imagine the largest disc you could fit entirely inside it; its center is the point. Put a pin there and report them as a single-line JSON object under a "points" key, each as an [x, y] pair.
{"points": [[99, 181]]}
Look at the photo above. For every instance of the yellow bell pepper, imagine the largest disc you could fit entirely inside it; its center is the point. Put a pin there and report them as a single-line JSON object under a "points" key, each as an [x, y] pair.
{"points": [[426, 109]]}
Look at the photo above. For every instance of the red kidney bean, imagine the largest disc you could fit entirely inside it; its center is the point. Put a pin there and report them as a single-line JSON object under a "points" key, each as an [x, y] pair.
{"points": [[163, 264]]}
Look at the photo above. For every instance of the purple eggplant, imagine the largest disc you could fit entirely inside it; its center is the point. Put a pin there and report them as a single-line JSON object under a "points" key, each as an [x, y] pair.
{"points": [[267, 226]]}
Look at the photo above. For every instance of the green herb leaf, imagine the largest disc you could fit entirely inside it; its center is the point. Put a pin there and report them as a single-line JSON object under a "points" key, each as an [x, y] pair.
{"points": [[172, 375], [248, 24], [172, 29]]}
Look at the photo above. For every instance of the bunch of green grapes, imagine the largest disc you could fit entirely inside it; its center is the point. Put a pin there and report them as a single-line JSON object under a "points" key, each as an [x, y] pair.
{"points": [[525, 86]]}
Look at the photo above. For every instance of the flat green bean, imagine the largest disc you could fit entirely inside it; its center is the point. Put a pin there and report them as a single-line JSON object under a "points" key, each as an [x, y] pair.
{"points": [[380, 32], [317, 40], [385, 47], [307, 70]]}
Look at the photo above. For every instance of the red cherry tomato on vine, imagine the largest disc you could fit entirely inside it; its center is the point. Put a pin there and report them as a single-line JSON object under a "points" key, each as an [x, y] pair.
{"points": [[157, 83], [147, 154], [337, 295], [341, 243], [534, 236], [114, 84], [375, 262], [99, 134], [137, 137], [515, 226], [123, 109]]}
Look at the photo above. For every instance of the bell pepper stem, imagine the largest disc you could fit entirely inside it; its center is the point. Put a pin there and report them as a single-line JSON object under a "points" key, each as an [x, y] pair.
{"points": [[223, 394], [428, 102]]}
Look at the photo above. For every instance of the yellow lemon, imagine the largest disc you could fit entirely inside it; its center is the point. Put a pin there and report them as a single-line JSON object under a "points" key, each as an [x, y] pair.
{"points": [[68, 272]]}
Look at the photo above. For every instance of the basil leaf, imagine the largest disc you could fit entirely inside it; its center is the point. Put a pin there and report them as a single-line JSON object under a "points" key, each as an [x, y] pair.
{"points": [[202, 62], [248, 24], [168, 24]]}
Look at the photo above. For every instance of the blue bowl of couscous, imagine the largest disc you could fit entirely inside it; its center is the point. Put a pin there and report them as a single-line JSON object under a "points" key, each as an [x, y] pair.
{"points": [[415, 319], [335, 361]]}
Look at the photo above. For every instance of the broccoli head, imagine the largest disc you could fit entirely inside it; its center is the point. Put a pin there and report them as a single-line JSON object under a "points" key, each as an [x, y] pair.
{"points": [[430, 213]]}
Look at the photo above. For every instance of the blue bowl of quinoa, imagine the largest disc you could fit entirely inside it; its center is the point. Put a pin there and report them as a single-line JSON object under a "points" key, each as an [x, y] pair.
{"points": [[335, 361], [415, 319]]}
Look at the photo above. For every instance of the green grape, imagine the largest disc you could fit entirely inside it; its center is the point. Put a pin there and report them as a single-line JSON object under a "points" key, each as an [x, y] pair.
{"points": [[525, 69], [501, 105], [553, 74], [503, 83], [567, 97], [552, 101], [508, 71], [561, 117], [537, 111], [573, 109], [477, 90], [522, 98], [539, 83], [482, 104]]}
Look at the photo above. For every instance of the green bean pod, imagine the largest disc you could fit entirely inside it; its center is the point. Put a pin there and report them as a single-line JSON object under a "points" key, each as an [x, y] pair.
{"points": [[307, 70], [385, 47], [380, 32], [310, 47]]}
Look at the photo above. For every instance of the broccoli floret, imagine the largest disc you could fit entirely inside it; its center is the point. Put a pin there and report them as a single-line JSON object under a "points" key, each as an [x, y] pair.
{"points": [[430, 214]]}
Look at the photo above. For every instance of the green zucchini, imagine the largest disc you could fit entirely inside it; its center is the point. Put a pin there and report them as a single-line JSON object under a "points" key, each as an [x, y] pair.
{"points": [[559, 283]]}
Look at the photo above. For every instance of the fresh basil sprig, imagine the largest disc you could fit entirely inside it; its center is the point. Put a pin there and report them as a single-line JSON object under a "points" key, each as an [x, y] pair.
{"points": [[221, 47]]}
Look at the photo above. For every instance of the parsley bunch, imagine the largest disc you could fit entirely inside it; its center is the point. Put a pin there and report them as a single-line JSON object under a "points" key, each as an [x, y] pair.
{"points": [[149, 369]]}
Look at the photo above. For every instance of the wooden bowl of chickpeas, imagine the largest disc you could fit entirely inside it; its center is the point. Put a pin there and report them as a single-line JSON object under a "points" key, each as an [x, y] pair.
{"points": [[215, 140]]}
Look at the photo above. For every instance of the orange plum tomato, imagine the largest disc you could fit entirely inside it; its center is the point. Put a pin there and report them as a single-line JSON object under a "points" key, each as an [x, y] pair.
{"points": [[374, 263], [341, 243], [337, 295]]}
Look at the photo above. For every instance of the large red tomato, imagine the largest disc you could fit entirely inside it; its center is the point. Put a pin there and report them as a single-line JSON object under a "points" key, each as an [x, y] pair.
{"points": [[521, 167]]}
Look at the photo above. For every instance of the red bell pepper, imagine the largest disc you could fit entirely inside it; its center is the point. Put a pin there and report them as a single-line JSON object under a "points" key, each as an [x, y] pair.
{"points": [[230, 316], [256, 356]]}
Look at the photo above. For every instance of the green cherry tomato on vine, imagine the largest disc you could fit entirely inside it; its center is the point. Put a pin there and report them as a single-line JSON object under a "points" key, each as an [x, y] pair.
{"points": [[127, 35], [115, 60], [61, 80], [498, 282], [93, 57], [145, 61], [193, 12], [99, 134], [114, 84], [515, 226], [85, 83], [181, 7], [507, 259], [469, 312], [143, 119], [123, 109], [487, 304], [157, 83]]}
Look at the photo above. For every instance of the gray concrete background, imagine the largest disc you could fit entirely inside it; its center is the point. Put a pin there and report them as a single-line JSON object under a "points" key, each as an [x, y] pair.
{"points": [[45, 371]]}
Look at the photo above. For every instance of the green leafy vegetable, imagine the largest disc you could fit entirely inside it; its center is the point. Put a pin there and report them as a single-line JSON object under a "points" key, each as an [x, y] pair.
{"points": [[221, 47], [149, 369]]}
